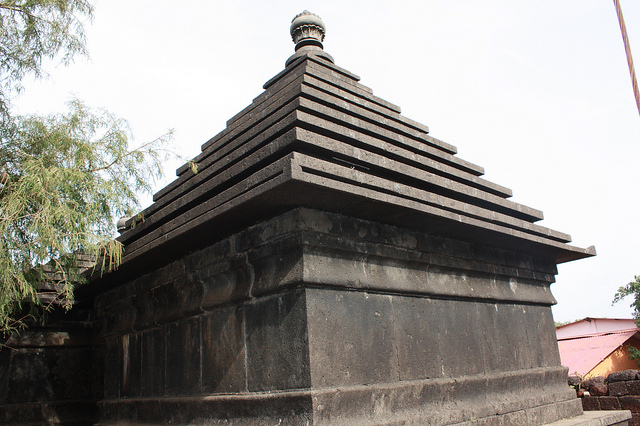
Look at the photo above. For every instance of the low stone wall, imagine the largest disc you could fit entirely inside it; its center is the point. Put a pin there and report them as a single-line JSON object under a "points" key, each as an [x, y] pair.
{"points": [[618, 391], [51, 374]]}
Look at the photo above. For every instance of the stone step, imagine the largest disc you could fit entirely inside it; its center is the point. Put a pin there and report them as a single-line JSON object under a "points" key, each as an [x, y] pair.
{"points": [[596, 418]]}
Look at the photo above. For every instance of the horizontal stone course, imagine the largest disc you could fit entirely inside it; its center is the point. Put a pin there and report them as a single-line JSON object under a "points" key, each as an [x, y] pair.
{"points": [[317, 128], [630, 402], [285, 304], [209, 209], [354, 405], [591, 403], [633, 387], [623, 376], [618, 389], [623, 393], [609, 403], [349, 148], [273, 254]]}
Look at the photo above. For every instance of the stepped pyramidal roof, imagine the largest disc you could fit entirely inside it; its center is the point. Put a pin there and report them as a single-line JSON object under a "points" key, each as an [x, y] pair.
{"points": [[317, 138]]}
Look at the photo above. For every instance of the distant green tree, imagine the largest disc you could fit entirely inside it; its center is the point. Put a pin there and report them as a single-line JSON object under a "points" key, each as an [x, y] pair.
{"points": [[64, 178], [631, 289]]}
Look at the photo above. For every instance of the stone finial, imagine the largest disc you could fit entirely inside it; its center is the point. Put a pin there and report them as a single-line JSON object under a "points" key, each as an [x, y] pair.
{"points": [[307, 31], [122, 224]]}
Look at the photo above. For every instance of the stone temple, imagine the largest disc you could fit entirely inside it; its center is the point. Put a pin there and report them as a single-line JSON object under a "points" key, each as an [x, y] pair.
{"points": [[330, 263]]}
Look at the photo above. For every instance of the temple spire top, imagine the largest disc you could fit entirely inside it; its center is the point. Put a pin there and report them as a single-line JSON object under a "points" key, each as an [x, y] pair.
{"points": [[307, 32], [307, 29]]}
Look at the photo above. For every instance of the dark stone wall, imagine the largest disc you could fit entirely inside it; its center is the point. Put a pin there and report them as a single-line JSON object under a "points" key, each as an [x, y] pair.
{"points": [[51, 375], [256, 346], [360, 338], [310, 302], [618, 391]]}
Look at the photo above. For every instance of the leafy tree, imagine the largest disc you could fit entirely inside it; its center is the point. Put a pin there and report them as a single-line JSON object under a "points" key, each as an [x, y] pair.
{"points": [[64, 178], [631, 289], [32, 31]]}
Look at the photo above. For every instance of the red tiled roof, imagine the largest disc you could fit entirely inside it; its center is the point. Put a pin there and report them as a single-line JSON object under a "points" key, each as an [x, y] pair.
{"points": [[582, 354]]}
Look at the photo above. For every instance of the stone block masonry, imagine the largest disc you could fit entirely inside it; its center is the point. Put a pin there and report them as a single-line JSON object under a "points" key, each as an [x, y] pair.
{"points": [[320, 317], [51, 374], [621, 392]]}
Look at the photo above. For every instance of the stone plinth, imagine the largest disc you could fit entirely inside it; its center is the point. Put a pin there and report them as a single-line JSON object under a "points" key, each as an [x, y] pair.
{"points": [[323, 318]]}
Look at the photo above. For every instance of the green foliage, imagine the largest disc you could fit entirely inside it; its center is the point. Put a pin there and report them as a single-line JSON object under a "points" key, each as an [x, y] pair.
{"points": [[65, 179], [631, 289], [634, 354], [32, 31]]}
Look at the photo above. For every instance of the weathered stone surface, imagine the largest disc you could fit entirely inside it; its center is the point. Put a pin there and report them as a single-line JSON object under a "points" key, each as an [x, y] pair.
{"points": [[229, 280], [587, 383], [45, 412], [621, 376], [113, 363], [339, 324], [630, 402], [633, 387], [47, 373], [42, 374], [288, 303], [542, 415], [183, 368], [596, 418], [570, 408], [618, 388], [609, 403], [598, 389], [153, 366], [591, 403], [447, 401], [395, 258], [223, 351], [277, 342], [131, 367], [312, 337], [120, 317], [177, 299], [145, 305], [287, 408], [276, 265]]}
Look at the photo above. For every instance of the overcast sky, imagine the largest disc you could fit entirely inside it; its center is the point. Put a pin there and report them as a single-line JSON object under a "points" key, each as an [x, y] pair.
{"points": [[536, 92]]}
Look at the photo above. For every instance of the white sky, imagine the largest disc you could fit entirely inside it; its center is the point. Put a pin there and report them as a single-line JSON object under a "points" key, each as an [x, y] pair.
{"points": [[536, 92]]}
